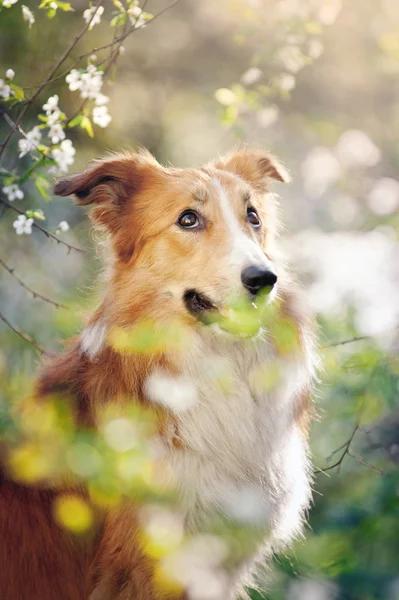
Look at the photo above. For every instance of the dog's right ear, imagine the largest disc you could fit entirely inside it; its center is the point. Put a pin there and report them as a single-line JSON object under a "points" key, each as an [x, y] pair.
{"points": [[109, 187]]}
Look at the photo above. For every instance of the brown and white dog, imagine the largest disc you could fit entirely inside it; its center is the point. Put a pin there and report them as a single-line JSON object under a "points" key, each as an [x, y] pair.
{"points": [[184, 242]]}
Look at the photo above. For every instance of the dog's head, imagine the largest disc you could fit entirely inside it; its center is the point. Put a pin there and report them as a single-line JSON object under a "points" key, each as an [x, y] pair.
{"points": [[186, 242]]}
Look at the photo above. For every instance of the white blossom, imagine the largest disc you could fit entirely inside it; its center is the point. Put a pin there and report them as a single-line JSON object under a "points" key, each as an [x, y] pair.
{"points": [[56, 133], [101, 99], [136, 16], [28, 15], [13, 192], [88, 15], [267, 116], [101, 116], [356, 149], [63, 226], [10, 73], [319, 170], [384, 196], [73, 79], [5, 90], [292, 58], [287, 82], [89, 82], [315, 49], [251, 76], [8, 3], [51, 104], [23, 225], [64, 155], [53, 5], [30, 142]]}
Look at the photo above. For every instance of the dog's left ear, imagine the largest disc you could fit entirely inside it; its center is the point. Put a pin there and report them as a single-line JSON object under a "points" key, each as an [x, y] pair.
{"points": [[257, 167]]}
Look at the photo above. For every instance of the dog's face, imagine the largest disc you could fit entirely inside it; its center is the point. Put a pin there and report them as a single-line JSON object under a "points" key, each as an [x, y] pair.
{"points": [[187, 242]]}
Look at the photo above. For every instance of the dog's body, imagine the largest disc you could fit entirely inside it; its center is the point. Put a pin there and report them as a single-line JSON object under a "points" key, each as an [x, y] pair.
{"points": [[235, 451]]}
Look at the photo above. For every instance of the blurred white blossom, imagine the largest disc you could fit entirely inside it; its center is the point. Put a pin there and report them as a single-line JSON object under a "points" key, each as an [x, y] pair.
{"points": [[64, 155], [352, 269], [175, 392], [344, 209], [101, 116], [136, 16], [319, 170], [315, 49], [30, 142], [287, 82], [5, 90], [121, 434], [88, 15], [10, 74], [267, 116], [8, 3], [356, 149], [251, 76], [63, 226], [292, 58], [13, 192], [384, 196], [23, 225], [28, 15], [311, 589], [328, 11]]}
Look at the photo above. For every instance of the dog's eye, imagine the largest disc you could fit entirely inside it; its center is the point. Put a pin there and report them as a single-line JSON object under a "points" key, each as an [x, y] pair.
{"points": [[189, 220], [252, 217]]}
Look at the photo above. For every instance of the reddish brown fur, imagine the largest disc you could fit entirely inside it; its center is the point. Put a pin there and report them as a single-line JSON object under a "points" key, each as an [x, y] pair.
{"points": [[39, 561]]}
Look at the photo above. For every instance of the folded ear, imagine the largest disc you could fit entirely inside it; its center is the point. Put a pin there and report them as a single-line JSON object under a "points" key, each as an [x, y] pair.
{"points": [[109, 186], [257, 167]]}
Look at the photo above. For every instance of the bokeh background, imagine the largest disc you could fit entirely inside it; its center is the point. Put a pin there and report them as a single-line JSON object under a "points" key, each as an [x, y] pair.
{"points": [[318, 84]]}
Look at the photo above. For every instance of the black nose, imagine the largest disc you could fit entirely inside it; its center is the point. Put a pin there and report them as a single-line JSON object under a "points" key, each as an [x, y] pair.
{"points": [[256, 278]]}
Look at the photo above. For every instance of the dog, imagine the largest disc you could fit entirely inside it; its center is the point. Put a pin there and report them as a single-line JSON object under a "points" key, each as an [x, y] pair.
{"points": [[187, 247]]}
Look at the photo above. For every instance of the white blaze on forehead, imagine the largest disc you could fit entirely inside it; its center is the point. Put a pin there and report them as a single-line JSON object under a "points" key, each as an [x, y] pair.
{"points": [[244, 250]]}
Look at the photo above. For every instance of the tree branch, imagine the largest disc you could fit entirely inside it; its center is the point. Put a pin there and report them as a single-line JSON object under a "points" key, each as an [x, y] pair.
{"points": [[48, 78], [346, 447], [46, 233], [23, 335], [28, 289]]}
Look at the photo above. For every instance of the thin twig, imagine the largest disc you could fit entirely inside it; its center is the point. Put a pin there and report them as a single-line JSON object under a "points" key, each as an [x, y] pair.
{"points": [[23, 335], [348, 341], [46, 233], [48, 78], [346, 447], [28, 289], [354, 339], [365, 463]]}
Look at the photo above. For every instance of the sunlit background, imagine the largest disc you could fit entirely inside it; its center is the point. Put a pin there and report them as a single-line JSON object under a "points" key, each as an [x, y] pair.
{"points": [[317, 83]]}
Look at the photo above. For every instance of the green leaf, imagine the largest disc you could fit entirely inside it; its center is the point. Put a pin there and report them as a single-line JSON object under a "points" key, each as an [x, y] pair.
{"points": [[76, 121], [368, 409], [87, 126], [65, 6], [119, 19], [42, 186], [18, 92]]}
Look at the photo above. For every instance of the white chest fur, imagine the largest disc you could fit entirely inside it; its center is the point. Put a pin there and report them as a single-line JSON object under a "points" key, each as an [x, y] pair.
{"points": [[243, 453]]}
